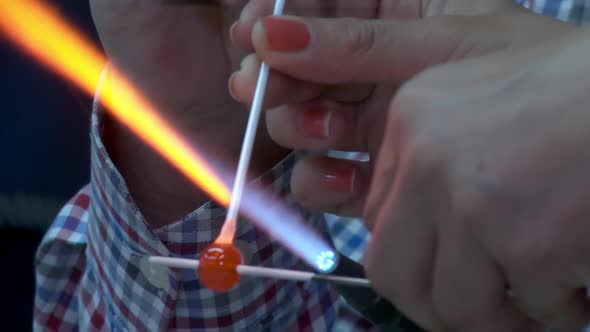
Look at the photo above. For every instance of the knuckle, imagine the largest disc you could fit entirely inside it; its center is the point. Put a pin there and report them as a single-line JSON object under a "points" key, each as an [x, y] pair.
{"points": [[360, 37], [422, 161], [407, 108]]}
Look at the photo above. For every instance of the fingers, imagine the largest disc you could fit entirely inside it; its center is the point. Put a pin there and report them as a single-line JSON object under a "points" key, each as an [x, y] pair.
{"points": [[439, 279], [319, 125], [255, 9], [436, 277], [241, 31], [336, 51], [399, 259], [559, 306], [331, 185], [400, 256], [282, 89], [307, 119], [469, 289]]}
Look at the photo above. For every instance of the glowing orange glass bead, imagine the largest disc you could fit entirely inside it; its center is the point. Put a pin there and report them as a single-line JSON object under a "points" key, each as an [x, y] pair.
{"points": [[217, 266]]}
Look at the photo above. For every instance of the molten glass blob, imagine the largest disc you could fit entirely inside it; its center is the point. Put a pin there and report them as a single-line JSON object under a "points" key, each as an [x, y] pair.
{"points": [[217, 266]]}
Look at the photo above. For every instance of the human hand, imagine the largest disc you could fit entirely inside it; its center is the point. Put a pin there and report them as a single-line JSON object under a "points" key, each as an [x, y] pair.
{"points": [[357, 65], [477, 203], [180, 57], [460, 165], [370, 9]]}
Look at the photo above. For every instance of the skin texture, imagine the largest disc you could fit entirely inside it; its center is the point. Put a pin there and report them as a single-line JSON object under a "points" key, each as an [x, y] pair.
{"points": [[311, 80], [477, 128]]}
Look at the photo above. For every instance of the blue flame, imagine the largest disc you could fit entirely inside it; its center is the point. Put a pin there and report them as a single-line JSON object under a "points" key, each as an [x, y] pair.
{"points": [[287, 226], [326, 261]]}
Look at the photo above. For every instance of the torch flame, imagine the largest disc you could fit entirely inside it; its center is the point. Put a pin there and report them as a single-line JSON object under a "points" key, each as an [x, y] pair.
{"points": [[38, 29]]}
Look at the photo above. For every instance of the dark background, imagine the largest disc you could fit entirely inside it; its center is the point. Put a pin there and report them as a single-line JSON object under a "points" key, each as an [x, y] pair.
{"points": [[44, 144]]}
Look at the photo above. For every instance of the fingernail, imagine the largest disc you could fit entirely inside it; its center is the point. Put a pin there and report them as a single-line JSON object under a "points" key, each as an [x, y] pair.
{"points": [[282, 34], [315, 123], [340, 179], [249, 63]]}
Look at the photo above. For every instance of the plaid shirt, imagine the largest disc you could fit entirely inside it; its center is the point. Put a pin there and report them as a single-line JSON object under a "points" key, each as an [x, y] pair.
{"points": [[575, 11], [92, 273]]}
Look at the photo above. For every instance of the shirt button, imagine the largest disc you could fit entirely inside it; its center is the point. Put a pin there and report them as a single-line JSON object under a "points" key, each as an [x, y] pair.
{"points": [[157, 275]]}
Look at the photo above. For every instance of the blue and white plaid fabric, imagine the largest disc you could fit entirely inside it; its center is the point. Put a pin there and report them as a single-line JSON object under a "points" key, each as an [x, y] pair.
{"points": [[575, 11], [92, 274]]}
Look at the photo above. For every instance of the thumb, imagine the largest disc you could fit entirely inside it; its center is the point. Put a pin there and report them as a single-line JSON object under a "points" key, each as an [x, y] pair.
{"points": [[346, 50]]}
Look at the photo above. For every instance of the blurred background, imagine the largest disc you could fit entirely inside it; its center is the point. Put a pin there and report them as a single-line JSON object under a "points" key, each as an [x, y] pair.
{"points": [[44, 144]]}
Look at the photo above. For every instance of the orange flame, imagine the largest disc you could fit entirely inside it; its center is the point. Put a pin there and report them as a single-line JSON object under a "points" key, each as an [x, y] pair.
{"points": [[45, 35]]}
